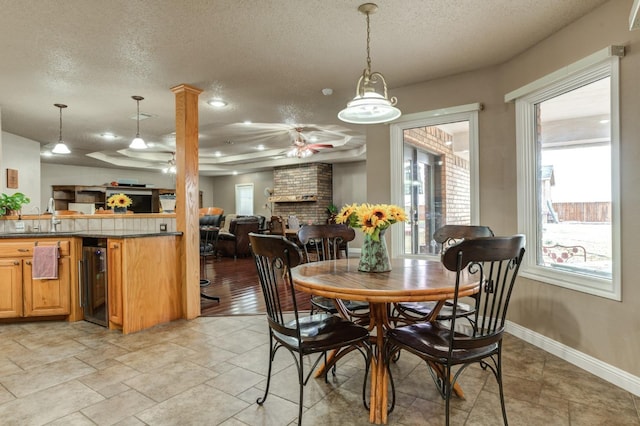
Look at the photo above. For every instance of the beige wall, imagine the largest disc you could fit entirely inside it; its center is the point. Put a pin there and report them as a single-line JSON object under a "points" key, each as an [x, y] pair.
{"points": [[604, 329], [350, 186], [224, 194], [23, 155]]}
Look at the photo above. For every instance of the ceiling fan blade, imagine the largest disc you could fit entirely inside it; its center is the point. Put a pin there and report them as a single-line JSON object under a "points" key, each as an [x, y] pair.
{"points": [[319, 145]]}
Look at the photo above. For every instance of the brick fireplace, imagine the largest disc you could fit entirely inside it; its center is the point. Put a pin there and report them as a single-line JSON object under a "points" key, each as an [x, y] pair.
{"points": [[304, 191]]}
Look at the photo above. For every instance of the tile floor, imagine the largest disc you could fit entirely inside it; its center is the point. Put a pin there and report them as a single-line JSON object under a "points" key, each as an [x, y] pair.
{"points": [[209, 371]]}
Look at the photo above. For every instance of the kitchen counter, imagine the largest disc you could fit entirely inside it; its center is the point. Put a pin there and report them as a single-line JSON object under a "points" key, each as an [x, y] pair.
{"points": [[143, 287]]}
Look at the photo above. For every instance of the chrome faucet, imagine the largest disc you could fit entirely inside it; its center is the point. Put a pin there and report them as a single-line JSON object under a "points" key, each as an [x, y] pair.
{"points": [[54, 223], [37, 227]]}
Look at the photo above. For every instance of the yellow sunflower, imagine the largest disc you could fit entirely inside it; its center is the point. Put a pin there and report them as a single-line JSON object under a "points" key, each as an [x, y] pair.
{"points": [[397, 214], [119, 200], [372, 219]]}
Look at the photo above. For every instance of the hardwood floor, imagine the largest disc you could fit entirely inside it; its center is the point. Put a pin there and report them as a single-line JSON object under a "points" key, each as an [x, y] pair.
{"points": [[236, 283]]}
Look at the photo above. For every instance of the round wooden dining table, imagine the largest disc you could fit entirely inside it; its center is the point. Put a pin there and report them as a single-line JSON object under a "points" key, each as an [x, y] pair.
{"points": [[410, 280]]}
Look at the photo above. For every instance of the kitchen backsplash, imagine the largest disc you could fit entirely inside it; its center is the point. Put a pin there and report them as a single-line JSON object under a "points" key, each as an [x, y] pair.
{"points": [[112, 223]]}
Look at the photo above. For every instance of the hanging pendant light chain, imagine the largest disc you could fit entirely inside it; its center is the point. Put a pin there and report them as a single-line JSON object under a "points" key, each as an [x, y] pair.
{"points": [[368, 48], [60, 138], [138, 119]]}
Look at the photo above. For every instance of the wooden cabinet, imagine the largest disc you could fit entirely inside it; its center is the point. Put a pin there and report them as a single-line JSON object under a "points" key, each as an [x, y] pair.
{"points": [[47, 297], [10, 287], [65, 194], [114, 274], [144, 285], [22, 296], [97, 195]]}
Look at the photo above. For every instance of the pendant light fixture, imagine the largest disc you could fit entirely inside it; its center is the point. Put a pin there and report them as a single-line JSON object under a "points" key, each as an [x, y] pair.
{"points": [[60, 147], [369, 106], [138, 142]]}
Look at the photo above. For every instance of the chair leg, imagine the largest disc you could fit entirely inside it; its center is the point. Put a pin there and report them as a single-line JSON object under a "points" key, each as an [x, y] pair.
{"points": [[301, 384], [499, 379], [272, 353], [447, 386]]}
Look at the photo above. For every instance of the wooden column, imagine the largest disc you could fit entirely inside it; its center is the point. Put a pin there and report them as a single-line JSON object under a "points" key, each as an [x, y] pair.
{"points": [[187, 214]]}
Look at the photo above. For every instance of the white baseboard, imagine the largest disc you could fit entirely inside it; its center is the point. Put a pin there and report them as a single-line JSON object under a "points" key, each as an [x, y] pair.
{"points": [[601, 369]]}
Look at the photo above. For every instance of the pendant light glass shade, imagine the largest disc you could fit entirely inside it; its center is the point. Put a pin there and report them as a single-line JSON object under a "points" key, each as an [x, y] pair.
{"points": [[369, 106], [138, 142], [60, 147]]}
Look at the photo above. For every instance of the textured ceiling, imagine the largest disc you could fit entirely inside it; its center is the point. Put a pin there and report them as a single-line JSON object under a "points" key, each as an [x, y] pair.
{"points": [[269, 59]]}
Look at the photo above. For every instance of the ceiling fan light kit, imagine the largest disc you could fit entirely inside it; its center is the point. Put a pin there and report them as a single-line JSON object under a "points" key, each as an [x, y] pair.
{"points": [[369, 106], [171, 168], [61, 147], [301, 149], [138, 142]]}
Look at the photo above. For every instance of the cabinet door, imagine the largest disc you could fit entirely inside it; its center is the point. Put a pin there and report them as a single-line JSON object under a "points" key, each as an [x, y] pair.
{"points": [[48, 297], [10, 288], [114, 276]]}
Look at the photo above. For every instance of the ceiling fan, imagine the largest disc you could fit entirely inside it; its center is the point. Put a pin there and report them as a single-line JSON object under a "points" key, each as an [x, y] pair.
{"points": [[301, 149], [171, 165]]}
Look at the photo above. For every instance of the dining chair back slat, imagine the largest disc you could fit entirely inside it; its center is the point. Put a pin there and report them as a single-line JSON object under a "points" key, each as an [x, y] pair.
{"points": [[321, 242], [446, 236]]}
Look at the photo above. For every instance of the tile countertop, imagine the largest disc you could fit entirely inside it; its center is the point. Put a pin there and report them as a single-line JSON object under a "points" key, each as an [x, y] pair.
{"points": [[90, 234]]}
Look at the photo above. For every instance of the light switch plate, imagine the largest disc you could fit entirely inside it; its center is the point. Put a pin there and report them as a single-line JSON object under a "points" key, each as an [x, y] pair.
{"points": [[163, 227]]}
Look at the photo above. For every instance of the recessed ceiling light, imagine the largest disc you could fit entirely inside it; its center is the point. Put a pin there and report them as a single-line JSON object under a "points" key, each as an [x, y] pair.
{"points": [[247, 121], [313, 139], [217, 154], [604, 121], [217, 103], [47, 154], [260, 147], [151, 144], [235, 172], [108, 135], [448, 143]]}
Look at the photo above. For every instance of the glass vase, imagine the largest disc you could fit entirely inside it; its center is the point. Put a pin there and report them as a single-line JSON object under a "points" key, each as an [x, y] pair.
{"points": [[374, 256], [120, 210]]}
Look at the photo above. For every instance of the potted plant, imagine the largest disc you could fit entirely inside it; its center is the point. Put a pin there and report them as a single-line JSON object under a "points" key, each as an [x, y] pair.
{"points": [[12, 203], [332, 209]]}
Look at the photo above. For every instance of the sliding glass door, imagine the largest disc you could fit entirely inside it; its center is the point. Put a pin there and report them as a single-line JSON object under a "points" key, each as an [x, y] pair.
{"points": [[437, 178]]}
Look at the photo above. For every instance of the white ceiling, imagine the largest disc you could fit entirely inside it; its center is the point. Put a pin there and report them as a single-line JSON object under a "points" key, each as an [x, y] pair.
{"points": [[269, 59]]}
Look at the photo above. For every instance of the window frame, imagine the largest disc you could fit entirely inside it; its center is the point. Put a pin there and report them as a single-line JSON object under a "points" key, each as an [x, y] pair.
{"points": [[244, 189], [468, 113], [582, 73]]}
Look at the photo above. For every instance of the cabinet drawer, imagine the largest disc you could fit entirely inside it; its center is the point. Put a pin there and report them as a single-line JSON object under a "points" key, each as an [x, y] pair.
{"points": [[25, 248]]}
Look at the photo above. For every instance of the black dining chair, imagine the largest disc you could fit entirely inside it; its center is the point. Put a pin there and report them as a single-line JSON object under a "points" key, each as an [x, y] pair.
{"points": [[323, 242], [446, 236], [302, 336], [208, 238], [494, 262]]}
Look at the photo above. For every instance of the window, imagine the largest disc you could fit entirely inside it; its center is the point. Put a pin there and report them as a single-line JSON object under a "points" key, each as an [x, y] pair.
{"points": [[434, 168], [244, 199], [568, 197]]}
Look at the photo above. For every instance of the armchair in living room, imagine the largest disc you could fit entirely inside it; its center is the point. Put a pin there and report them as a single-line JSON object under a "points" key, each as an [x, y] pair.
{"points": [[233, 238]]}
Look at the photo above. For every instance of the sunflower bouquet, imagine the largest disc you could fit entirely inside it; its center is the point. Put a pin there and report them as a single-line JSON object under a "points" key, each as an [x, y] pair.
{"points": [[119, 200], [371, 218]]}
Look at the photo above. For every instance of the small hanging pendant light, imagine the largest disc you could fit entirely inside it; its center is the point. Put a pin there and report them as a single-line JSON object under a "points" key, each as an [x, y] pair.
{"points": [[60, 147], [369, 106], [138, 142]]}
